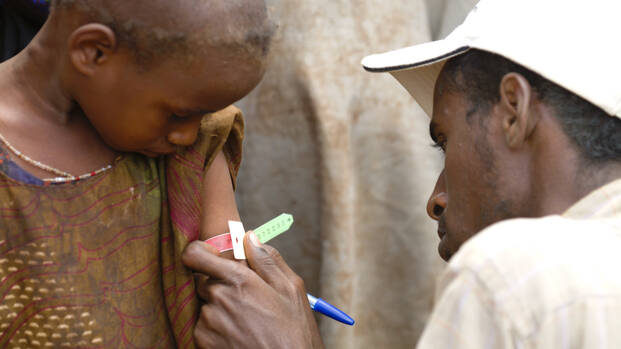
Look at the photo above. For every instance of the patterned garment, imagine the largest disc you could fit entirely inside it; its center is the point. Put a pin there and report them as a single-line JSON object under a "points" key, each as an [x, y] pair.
{"points": [[96, 264], [551, 282], [12, 170]]}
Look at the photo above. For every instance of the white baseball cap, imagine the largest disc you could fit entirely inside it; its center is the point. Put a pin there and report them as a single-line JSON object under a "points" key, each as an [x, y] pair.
{"points": [[573, 43]]}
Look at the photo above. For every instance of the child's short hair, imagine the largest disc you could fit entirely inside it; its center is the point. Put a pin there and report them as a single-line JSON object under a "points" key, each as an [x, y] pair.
{"points": [[149, 40]]}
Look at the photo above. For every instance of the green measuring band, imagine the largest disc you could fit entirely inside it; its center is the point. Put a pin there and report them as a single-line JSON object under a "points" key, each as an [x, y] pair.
{"points": [[273, 228]]}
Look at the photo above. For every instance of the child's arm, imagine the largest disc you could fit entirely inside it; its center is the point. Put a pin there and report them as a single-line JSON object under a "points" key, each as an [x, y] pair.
{"points": [[218, 201]]}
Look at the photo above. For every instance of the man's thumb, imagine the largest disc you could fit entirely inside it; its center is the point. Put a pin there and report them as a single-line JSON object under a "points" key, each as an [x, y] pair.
{"points": [[264, 260]]}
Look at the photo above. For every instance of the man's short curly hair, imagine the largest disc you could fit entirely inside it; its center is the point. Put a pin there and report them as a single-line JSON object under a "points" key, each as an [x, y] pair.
{"points": [[477, 74]]}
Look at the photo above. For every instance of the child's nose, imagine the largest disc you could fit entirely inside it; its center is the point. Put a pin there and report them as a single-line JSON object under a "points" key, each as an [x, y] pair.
{"points": [[185, 133]]}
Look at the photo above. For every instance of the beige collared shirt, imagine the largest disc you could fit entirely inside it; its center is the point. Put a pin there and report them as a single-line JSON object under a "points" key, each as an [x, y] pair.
{"points": [[552, 282]]}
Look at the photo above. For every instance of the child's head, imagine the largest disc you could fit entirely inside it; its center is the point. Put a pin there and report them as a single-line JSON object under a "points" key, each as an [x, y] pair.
{"points": [[144, 72]]}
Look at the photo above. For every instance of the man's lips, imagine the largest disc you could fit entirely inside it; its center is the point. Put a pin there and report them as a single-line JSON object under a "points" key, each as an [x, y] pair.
{"points": [[443, 250], [441, 227], [441, 233]]}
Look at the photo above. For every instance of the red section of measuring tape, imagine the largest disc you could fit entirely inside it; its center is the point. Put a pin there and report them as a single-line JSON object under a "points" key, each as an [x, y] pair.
{"points": [[222, 242]]}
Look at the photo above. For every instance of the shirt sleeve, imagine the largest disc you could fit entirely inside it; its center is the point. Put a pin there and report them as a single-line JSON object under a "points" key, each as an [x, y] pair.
{"points": [[221, 131], [465, 316], [185, 170]]}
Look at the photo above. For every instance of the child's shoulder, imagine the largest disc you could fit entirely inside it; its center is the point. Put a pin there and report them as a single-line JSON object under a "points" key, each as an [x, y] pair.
{"points": [[219, 131], [222, 123]]}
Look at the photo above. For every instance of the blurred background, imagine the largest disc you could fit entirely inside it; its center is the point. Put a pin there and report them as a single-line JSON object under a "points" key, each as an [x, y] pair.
{"points": [[348, 154], [345, 151]]}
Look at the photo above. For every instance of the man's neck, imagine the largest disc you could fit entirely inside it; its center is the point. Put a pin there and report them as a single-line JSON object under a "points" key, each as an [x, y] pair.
{"points": [[592, 177], [571, 183]]}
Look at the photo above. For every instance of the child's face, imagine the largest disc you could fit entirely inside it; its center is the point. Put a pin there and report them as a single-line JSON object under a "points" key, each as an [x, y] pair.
{"points": [[154, 111]]}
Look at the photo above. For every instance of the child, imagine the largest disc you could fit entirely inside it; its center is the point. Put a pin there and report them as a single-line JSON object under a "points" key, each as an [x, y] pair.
{"points": [[108, 167]]}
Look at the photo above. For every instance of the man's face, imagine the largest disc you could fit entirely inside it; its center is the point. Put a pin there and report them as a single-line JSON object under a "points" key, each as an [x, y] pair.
{"points": [[154, 111], [472, 191]]}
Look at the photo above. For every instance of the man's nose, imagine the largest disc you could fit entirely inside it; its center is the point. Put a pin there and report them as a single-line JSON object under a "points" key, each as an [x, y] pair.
{"points": [[436, 205], [439, 199], [185, 132]]}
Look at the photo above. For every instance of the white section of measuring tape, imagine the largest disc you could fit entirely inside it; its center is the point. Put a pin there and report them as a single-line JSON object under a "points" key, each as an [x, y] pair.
{"points": [[237, 237]]}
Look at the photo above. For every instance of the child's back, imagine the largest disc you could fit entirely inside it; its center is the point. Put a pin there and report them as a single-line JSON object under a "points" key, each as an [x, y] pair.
{"points": [[92, 219]]}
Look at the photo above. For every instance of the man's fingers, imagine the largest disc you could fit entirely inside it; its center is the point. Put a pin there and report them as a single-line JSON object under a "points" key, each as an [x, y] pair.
{"points": [[280, 262], [199, 257], [264, 260], [212, 249], [269, 264], [205, 335]]}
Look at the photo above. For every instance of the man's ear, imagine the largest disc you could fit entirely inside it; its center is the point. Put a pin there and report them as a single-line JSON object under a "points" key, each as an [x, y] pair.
{"points": [[519, 120], [90, 46]]}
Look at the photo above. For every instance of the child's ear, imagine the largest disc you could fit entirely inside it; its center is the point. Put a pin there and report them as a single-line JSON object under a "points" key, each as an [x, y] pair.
{"points": [[90, 46]]}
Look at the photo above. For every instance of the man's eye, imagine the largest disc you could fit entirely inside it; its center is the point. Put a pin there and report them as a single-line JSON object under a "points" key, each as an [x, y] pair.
{"points": [[440, 145]]}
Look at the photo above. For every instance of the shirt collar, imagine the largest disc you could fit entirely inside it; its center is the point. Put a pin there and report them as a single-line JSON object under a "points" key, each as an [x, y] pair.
{"points": [[604, 202]]}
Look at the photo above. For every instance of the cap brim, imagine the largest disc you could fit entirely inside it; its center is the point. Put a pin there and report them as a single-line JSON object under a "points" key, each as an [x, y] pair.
{"points": [[417, 67]]}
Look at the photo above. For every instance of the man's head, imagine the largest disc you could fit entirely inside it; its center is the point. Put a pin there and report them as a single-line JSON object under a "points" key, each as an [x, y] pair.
{"points": [[520, 140], [506, 133], [145, 72]]}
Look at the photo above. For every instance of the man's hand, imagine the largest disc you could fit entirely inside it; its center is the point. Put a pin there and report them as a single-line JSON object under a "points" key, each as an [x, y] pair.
{"points": [[264, 306]]}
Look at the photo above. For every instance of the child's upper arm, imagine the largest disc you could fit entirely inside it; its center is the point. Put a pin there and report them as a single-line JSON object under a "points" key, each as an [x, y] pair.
{"points": [[218, 199]]}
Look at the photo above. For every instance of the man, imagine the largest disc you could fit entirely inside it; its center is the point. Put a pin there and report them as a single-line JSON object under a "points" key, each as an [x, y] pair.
{"points": [[526, 106]]}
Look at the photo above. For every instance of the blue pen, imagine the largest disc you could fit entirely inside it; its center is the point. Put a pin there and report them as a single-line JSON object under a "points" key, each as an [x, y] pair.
{"points": [[325, 308], [279, 225]]}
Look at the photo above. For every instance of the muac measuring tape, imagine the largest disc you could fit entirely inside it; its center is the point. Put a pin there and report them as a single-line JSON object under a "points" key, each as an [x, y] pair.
{"points": [[264, 233]]}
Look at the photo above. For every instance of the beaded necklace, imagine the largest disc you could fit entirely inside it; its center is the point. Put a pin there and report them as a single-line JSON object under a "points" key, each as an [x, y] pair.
{"points": [[64, 177]]}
